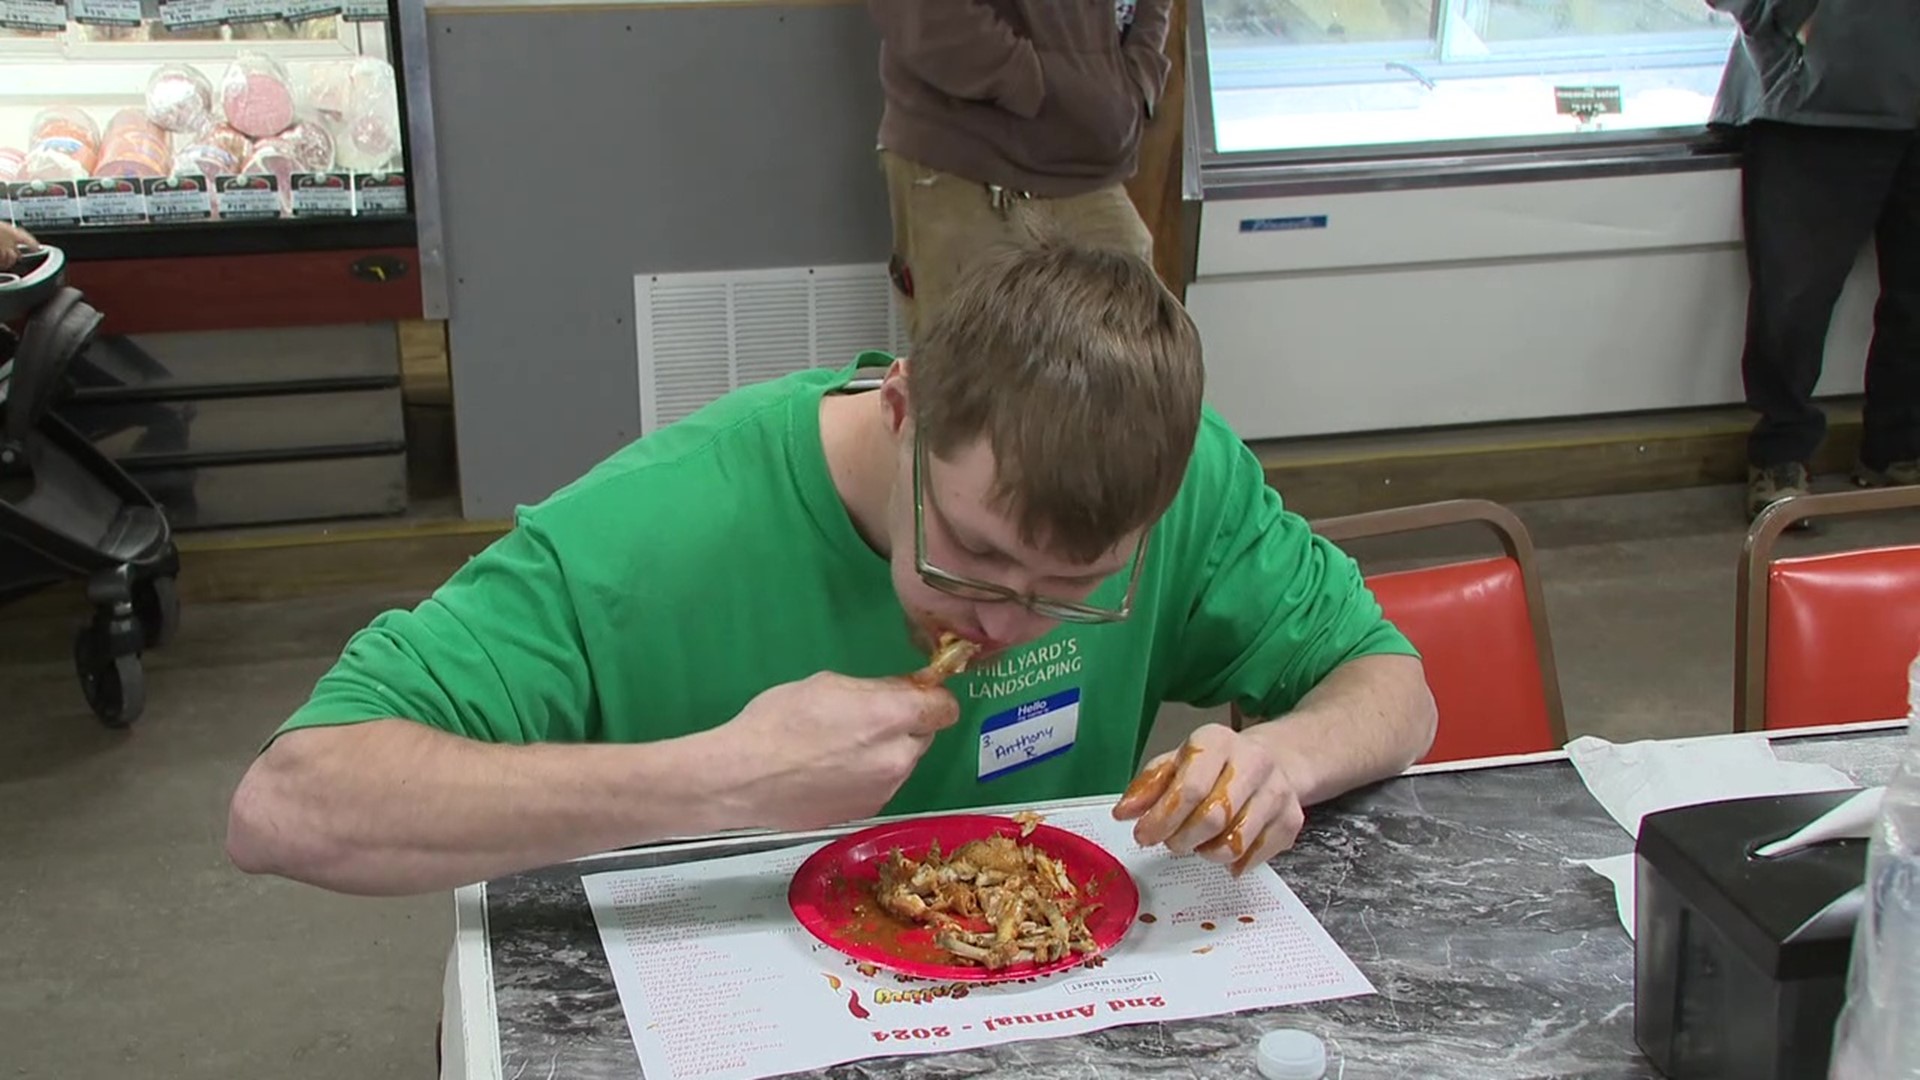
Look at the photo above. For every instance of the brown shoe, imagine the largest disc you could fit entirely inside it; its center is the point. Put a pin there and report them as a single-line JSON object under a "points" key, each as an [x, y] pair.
{"points": [[1773, 483], [1898, 474]]}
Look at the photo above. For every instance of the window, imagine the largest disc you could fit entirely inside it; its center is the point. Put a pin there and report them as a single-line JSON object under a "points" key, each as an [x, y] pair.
{"points": [[1318, 75]]}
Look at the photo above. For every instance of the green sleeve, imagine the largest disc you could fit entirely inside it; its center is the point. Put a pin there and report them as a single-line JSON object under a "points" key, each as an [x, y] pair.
{"points": [[1278, 607], [495, 654]]}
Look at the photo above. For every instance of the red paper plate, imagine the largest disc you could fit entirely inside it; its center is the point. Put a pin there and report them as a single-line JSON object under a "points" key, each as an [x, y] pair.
{"points": [[834, 880]]}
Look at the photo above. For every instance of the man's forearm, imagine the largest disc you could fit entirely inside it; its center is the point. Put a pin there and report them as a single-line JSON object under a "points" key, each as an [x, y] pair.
{"points": [[1368, 720], [393, 807]]}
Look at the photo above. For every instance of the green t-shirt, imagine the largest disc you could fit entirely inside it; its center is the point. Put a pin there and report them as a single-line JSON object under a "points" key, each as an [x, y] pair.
{"points": [[655, 596]]}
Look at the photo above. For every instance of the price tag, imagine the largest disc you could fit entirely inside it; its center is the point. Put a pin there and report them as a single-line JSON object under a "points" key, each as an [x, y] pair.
{"points": [[180, 15], [1586, 102], [112, 200], [248, 198], [381, 194], [240, 12], [37, 16], [179, 198], [322, 195], [43, 204], [299, 11], [105, 12], [364, 10]]}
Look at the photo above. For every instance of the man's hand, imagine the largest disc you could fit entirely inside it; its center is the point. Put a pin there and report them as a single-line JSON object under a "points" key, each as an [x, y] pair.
{"points": [[830, 749], [1223, 795], [13, 240]]}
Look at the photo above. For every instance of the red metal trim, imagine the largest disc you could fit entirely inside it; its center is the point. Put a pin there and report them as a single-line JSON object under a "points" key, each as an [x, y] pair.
{"points": [[246, 292]]}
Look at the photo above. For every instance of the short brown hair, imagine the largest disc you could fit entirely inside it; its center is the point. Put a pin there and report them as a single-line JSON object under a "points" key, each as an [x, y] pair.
{"points": [[1082, 372]]}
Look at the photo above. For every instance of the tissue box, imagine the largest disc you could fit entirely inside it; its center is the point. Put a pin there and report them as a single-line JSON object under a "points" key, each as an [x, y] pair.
{"points": [[1740, 963]]}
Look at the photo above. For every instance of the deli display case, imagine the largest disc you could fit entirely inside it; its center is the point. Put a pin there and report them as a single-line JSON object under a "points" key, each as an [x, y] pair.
{"points": [[140, 117], [233, 184]]}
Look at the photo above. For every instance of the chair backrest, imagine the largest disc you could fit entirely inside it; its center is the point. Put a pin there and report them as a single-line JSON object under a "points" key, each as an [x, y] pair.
{"points": [[1825, 639], [1480, 626]]}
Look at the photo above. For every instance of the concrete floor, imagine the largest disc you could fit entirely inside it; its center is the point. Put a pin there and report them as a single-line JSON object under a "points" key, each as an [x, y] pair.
{"points": [[128, 947]]}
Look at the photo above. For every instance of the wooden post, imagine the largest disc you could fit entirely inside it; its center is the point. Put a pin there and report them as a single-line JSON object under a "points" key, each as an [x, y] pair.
{"points": [[1155, 187]]}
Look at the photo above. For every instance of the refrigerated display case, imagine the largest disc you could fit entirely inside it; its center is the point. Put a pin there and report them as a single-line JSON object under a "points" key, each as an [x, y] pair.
{"points": [[233, 183], [1420, 214], [1325, 79], [139, 121]]}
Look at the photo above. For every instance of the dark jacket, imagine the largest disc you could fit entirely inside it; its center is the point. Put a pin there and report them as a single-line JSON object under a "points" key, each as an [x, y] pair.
{"points": [[1041, 96], [1858, 66]]}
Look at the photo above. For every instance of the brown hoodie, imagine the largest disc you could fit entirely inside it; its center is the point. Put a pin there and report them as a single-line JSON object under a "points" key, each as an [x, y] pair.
{"points": [[1047, 97]]}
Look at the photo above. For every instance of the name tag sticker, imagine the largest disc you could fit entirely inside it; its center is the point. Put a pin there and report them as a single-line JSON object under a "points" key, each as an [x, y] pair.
{"points": [[1029, 734]]}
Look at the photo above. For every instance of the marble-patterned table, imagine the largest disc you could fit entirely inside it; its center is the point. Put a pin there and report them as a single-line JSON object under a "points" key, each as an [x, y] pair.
{"points": [[1457, 891]]}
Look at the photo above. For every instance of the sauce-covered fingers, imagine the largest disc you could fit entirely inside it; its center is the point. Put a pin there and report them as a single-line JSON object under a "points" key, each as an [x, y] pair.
{"points": [[1279, 835], [1146, 789], [938, 710], [1194, 776], [1210, 818], [1232, 841]]}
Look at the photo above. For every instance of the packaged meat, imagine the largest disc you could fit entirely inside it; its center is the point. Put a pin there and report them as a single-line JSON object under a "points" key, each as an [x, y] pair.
{"points": [[369, 133], [43, 164], [236, 145], [328, 90], [12, 161], [134, 146], [257, 95], [205, 159], [271, 158], [308, 144], [63, 143], [179, 98]]}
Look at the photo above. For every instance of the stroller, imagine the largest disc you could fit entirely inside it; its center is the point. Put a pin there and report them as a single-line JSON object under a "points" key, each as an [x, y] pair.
{"points": [[66, 510]]}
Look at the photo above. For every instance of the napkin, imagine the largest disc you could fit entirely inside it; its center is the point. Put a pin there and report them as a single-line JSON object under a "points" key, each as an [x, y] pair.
{"points": [[1632, 780], [1851, 820], [1620, 870]]}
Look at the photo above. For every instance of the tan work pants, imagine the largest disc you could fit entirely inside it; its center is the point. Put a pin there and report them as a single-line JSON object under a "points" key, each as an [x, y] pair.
{"points": [[942, 222]]}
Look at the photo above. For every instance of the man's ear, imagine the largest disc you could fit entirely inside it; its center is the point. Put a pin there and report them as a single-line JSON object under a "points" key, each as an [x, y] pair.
{"points": [[895, 401]]}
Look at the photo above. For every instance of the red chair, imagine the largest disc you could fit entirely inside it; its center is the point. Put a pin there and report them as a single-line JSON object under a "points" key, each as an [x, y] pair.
{"points": [[1480, 626], [1825, 639]]}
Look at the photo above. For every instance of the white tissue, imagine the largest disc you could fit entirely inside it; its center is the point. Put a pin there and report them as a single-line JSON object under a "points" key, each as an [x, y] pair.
{"points": [[1620, 870], [1632, 780], [1851, 820]]}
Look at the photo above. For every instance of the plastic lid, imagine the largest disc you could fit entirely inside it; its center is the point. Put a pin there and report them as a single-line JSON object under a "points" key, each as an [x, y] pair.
{"points": [[1290, 1054]]}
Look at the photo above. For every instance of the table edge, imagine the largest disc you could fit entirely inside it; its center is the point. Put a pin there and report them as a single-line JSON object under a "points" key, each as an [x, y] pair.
{"points": [[470, 965]]}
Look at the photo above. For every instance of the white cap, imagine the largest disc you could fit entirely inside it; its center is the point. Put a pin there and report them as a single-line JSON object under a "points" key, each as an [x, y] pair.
{"points": [[1291, 1054]]}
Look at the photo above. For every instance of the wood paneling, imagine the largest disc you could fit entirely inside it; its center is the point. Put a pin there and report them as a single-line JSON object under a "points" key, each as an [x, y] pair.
{"points": [[425, 372], [247, 292]]}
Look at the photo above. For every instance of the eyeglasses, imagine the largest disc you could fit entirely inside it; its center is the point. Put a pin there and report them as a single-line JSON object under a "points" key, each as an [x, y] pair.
{"points": [[967, 588]]}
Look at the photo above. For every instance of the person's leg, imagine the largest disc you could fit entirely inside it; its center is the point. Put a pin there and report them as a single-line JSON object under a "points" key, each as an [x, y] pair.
{"points": [[1102, 218], [941, 222], [1810, 197], [1890, 450]]}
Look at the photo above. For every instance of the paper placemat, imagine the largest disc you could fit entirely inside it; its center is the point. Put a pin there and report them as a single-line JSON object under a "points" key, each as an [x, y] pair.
{"points": [[719, 981]]}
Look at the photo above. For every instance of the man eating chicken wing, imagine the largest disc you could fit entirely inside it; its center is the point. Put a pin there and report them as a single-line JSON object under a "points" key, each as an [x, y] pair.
{"points": [[729, 623]]}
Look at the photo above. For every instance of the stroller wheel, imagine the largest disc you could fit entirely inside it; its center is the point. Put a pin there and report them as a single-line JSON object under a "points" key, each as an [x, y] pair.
{"points": [[156, 601], [115, 686]]}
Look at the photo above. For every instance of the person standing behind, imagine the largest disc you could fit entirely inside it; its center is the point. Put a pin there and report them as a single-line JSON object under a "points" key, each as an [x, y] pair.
{"points": [[1828, 95], [1008, 119]]}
